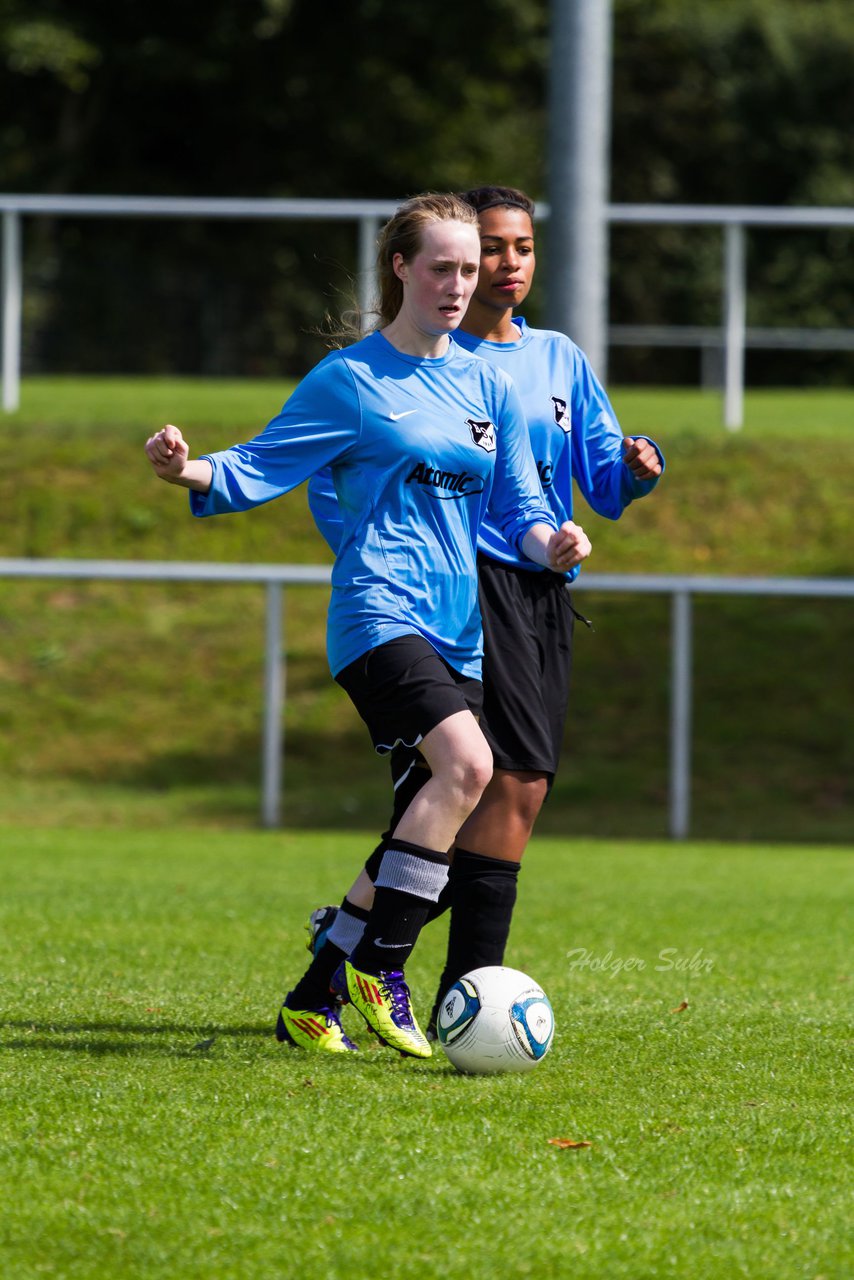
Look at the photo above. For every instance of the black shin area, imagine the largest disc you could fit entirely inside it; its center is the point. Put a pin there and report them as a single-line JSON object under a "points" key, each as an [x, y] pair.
{"points": [[312, 990], [410, 879], [483, 895]]}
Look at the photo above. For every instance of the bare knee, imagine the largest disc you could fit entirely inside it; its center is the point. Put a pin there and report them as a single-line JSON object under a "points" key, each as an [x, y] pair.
{"points": [[479, 772], [522, 795], [502, 823], [466, 776], [461, 761]]}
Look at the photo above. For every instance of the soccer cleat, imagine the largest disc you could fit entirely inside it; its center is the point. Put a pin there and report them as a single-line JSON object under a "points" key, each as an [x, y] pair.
{"points": [[383, 1001], [319, 1030], [319, 923]]}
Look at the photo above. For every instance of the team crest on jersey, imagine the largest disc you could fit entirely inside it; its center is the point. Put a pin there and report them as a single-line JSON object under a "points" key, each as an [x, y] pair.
{"points": [[482, 433], [562, 418]]}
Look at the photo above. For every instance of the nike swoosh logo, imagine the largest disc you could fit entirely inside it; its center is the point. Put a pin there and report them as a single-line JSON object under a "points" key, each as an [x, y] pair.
{"points": [[389, 946], [395, 417]]}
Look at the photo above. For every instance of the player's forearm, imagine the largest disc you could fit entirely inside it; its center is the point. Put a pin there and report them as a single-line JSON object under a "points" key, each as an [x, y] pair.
{"points": [[197, 473], [536, 544]]}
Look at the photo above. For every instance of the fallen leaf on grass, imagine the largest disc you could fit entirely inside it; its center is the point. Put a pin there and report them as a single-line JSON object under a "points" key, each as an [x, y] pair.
{"points": [[569, 1144], [680, 1008]]}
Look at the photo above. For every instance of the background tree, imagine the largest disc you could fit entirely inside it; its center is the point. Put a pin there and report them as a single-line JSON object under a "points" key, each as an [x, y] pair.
{"points": [[743, 101], [736, 102]]}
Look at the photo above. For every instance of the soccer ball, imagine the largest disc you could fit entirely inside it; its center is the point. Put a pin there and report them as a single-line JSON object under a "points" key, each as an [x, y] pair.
{"points": [[495, 1019]]}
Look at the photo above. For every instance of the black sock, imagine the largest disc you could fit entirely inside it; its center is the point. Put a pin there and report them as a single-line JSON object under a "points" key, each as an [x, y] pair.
{"points": [[312, 990], [443, 902], [410, 878], [483, 895], [372, 865]]}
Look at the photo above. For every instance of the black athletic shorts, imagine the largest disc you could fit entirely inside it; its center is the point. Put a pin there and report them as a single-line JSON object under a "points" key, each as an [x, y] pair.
{"points": [[528, 623], [403, 689]]}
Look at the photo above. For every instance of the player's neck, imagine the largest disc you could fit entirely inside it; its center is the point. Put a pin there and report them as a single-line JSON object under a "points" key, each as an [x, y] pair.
{"points": [[490, 325], [409, 340]]}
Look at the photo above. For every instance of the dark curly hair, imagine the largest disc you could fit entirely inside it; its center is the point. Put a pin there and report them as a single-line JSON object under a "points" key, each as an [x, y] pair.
{"points": [[482, 198]]}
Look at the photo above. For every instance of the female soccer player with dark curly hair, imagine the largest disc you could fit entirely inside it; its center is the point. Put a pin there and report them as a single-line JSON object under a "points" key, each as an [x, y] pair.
{"points": [[527, 612]]}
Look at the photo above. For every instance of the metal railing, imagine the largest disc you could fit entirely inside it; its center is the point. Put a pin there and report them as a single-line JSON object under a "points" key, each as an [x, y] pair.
{"points": [[734, 222], [710, 341], [276, 577]]}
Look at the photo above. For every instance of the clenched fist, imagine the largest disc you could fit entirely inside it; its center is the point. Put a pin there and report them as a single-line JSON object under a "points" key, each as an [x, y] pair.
{"points": [[641, 458], [168, 453], [568, 546]]}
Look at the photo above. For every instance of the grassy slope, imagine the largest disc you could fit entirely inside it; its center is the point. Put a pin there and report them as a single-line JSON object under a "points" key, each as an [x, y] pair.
{"points": [[153, 692], [151, 1127]]}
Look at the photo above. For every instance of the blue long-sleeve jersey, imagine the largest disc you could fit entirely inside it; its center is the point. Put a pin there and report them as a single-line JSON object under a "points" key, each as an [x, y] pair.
{"points": [[573, 432], [416, 450]]}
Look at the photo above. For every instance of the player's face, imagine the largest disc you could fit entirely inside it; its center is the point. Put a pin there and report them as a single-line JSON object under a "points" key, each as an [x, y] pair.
{"points": [[507, 259], [439, 281]]}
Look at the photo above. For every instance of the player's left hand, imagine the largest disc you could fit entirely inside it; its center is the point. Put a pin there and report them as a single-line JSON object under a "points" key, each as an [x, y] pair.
{"points": [[568, 546], [641, 458]]}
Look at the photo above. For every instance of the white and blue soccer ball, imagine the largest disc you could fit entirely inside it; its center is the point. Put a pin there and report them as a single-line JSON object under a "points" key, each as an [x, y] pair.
{"points": [[495, 1019]]}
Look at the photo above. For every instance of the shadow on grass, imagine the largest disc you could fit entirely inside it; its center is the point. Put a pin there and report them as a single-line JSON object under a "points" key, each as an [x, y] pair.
{"points": [[46, 1036]]}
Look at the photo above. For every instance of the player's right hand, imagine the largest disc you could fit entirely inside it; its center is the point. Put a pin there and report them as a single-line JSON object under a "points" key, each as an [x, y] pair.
{"points": [[568, 546], [167, 452]]}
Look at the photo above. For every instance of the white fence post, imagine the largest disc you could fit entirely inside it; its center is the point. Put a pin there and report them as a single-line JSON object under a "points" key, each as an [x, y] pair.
{"points": [[578, 164], [680, 714], [369, 229], [12, 294], [735, 323], [273, 743]]}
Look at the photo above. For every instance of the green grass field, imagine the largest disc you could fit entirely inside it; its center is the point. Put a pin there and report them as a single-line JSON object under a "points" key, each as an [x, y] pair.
{"points": [[151, 1128]]}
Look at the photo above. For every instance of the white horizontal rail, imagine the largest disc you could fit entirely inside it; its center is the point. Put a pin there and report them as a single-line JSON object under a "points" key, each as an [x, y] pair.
{"points": [[166, 571], [347, 210], [760, 337], [276, 576], [197, 207], [732, 219], [721, 215], [302, 574]]}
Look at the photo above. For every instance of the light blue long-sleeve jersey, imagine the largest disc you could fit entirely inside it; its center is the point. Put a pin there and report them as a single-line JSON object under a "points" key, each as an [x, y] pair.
{"points": [[417, 450], [573, 431]]}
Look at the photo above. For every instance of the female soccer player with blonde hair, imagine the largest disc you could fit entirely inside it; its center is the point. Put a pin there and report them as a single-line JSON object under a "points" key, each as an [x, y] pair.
{"points": [[420, 439]]}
